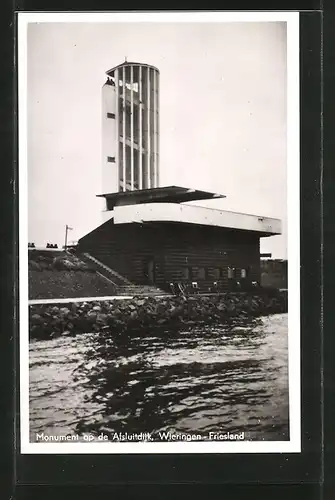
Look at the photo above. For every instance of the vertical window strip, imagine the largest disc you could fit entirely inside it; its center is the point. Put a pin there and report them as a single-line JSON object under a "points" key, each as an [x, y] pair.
{"points": [[117, 137], [155, 132], [148, 128], [140, 106], [132, 127], [124, 125]]}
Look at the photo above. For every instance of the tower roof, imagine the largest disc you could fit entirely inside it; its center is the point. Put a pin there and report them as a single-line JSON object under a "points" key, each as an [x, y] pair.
{"points": [[130, 63]]}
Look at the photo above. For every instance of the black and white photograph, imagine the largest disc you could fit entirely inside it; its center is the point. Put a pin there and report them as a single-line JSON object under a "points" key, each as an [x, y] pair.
{"points": [[159, 232]]}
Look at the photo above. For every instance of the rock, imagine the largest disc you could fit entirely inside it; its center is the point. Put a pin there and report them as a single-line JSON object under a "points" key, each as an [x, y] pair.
{"points": [[36, 319], [55, 334], [101, 319], [64, 311], [74, 307], [117, 312], [91, 317], [124, 316], [161, 309], [139, 302], [35, 266]]}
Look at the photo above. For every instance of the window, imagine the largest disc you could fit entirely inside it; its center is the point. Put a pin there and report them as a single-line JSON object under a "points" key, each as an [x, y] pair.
{"points": [[216, 273], [121, 161], [128, 165], [201, 273], [243, 273], [136, 168], [110, 115], [111, 159], [136, 123], [187, 273], [144, 128], [121, 116], [231, 272], [132, 86], [144, 171], [128, 121]]}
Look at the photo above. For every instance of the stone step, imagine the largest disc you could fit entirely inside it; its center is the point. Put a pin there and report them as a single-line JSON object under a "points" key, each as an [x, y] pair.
{"points": [[139, 290]]}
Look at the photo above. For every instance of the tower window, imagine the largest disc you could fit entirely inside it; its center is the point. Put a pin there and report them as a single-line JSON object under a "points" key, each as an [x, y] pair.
{"points": [[111, 159], [110, 115]]}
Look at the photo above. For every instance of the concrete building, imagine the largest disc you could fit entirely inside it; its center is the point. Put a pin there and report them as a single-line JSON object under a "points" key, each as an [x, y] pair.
{"points": [[130, 128], [151, 236]]}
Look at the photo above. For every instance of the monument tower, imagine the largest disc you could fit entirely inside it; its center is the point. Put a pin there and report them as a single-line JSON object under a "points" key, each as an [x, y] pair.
{"points": [[130, 128]]}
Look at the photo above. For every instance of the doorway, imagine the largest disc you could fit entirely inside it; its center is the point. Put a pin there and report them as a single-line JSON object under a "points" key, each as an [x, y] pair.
{"points": [[149, 270]]}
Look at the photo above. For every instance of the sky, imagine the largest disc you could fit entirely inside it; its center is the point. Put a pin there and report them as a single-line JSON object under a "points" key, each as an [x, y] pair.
{"points": [[222, 117]]}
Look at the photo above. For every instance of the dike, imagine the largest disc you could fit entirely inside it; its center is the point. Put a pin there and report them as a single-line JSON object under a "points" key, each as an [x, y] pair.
{"points": [[139, 314]]}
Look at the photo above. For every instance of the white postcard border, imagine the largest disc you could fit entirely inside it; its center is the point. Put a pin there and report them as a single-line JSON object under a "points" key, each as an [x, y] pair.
{"points": [[293, 180]]}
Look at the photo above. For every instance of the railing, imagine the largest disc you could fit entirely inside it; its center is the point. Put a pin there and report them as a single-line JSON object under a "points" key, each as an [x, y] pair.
{"points": [[112, 272]]}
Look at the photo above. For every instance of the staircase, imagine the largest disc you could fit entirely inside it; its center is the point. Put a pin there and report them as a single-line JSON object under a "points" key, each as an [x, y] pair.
{"points": [[106, 271], [146, 290], [122, 284]]}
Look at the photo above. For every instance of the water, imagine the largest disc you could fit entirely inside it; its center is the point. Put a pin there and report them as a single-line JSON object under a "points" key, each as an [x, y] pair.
{"points": [[201, 379]]}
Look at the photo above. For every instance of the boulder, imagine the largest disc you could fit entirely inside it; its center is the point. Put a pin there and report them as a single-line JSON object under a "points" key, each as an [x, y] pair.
{"points": [[36, 319], [101, 319], [64, 311], [139, 302], [34, 266]]}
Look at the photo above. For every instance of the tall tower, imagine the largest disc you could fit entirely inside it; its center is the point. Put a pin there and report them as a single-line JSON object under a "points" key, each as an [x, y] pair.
{"points": [[130, 128]]}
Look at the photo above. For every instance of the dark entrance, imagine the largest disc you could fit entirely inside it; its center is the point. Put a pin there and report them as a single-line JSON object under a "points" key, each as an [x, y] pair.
{"points": [[149, 270]]}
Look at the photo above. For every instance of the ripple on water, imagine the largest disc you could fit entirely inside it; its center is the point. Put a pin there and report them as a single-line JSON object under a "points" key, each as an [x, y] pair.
{"points": [[197, 380]]}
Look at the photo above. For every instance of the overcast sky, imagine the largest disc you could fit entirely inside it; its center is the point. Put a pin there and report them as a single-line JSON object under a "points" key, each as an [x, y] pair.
{"points": [[222, 117]]}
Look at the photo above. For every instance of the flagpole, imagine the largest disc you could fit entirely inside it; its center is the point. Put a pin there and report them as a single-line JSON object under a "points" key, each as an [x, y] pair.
{"points": [[66, 230]]}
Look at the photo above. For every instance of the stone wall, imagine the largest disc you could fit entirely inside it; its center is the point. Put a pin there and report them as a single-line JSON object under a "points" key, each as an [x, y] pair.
{"points": [[140, 313]]}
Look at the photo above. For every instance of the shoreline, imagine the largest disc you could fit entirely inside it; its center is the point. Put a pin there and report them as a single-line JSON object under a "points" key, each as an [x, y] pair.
{"points": [[127, 315]]}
